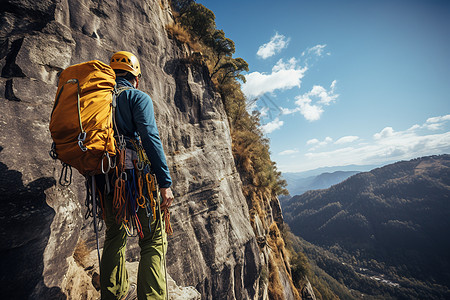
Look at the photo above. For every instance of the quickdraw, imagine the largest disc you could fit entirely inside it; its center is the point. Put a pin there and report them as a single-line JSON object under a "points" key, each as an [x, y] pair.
{"points": [[119, 200], [131, 200], [151, 187], [140, 199], [95, 209]]}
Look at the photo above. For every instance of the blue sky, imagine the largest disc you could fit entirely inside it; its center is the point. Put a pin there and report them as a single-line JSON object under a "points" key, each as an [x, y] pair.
{"points": [[345, 82]]}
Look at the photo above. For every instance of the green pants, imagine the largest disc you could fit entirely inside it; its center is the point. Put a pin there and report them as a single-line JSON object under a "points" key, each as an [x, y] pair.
{"points": [[151, 274]]}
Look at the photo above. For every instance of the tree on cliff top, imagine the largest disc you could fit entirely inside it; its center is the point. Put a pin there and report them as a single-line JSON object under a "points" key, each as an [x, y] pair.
{"points": [[199, 21]]}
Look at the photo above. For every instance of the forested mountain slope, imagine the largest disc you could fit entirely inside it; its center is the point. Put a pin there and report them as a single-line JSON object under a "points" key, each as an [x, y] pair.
{"points": [[394, 219]]}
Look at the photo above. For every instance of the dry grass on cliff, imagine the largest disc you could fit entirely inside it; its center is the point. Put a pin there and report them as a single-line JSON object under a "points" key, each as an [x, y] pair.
{"points": [[280, 260], [275, 240], [275, 287], [81, 253], [176, 31]]}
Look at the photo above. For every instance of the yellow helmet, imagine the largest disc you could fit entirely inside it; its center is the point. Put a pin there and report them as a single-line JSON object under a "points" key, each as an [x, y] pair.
{"points": [[126, 61]]}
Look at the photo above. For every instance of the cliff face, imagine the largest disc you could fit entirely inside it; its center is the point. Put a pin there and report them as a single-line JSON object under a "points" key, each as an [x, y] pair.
{"points": [[213, 247]]}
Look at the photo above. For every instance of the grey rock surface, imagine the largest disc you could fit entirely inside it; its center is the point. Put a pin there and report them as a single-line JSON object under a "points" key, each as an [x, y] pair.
{"points": [[213, 247]]}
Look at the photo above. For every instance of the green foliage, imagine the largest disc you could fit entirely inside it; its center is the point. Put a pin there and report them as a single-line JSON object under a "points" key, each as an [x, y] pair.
{"points": [[221, 45], [325, 287], [299, 266], [180, 5], [199, 21], [231, 69]]}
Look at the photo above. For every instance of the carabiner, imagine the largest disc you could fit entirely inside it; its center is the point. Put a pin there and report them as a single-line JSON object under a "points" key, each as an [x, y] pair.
{"points": [[82, 147], [122, 142], [65, 179], [52, 152], [109, 162], [114, 162], [81, 138]]}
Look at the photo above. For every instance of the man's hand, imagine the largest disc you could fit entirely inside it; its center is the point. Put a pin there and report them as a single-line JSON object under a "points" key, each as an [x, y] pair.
{"points": [[166, 194]]}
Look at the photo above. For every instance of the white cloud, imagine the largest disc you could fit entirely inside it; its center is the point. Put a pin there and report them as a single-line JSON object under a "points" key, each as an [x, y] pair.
{"points": [[288, 111], [324, 96], [283, 76], [327, 140], [272, 126], [346, 139], [310, 111], [436, 123], [289, 152], [438, 119], [316, 50], [387, 146], [313, 111], [275, 45], [399, 147], [434, 126], [312, 142], [414, 127], [386, 132], [317, 144], [281, 65], [314, 53], [333, 85]]}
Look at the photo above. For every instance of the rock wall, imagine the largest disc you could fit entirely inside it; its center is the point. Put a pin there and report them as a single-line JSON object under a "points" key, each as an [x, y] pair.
{"points": [[213, 247]]}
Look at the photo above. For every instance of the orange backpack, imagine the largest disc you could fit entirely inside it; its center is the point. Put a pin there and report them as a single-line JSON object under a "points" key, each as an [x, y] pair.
{"points": [[81, 122]]}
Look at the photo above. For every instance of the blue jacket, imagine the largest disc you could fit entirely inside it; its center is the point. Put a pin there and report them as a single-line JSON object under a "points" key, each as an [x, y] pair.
{"points": [[135, 117]]}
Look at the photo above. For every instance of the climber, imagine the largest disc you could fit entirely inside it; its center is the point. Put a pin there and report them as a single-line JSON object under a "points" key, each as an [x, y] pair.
{"points": [[135, 121]]}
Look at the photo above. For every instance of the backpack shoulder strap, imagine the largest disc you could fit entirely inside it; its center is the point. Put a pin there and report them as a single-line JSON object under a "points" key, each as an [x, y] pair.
{"points": [[117, 91]]}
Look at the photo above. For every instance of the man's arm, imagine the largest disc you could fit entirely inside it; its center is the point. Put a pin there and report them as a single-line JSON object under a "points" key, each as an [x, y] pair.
{"points": [[145, 122]]}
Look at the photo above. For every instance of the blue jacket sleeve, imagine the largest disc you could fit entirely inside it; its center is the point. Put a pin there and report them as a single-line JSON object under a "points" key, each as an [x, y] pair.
{"points": [[144, 118]]}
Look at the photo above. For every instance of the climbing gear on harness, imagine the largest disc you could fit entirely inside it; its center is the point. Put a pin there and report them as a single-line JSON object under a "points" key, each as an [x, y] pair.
{"points": [[135, 189], [94, 208], [65, 179]]}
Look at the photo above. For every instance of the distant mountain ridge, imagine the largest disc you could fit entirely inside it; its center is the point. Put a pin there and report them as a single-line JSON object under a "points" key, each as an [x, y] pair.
{"points": [[394, 218], [318, 171], [298, 185]]}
